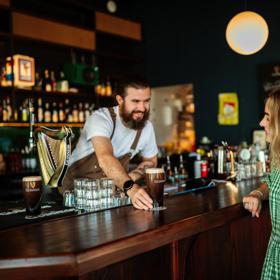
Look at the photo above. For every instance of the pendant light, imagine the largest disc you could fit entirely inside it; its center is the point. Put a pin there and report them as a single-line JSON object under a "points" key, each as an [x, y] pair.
{"points": [[247, 33]]}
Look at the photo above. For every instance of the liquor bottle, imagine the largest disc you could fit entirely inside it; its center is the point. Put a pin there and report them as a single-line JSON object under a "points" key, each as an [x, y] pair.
{"points": [[87, 112], [103, 89], [197, 167], [24, 112], [23, 159], [3, 76], [211, 164], [61, 113], [91, 108], [55, 117], [62, 84], [9, 109], [183, 174], [75, 114], [98, 89], [5, 111], [20, 113], [38, 82], [81, 115], [15, 115], [53, 82], [67, 109], [40, 111], [169, 172], [176, 176], [108, 87], [46, 83], [47, 113]]}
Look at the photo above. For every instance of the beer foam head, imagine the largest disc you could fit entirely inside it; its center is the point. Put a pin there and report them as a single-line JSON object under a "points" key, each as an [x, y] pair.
{"points": [[154, 170], [31, 178]]}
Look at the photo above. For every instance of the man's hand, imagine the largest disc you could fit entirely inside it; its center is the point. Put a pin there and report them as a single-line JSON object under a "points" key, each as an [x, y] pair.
{"points": [[139, 198], [253, 204], [145, 164]]}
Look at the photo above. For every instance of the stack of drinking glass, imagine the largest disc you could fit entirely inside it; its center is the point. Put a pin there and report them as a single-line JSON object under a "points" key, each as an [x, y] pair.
{"points": [[96, 194]]}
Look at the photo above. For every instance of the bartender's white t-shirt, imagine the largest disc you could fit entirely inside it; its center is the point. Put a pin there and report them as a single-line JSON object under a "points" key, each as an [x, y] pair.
{"points": [[100, 123]]}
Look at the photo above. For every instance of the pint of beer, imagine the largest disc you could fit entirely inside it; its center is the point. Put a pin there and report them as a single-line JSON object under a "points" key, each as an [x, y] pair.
{"points": [[32, 193], [155, 179]]}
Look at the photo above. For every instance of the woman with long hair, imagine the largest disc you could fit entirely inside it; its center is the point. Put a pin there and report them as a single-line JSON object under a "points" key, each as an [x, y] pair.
{"points": [[270, 188]]}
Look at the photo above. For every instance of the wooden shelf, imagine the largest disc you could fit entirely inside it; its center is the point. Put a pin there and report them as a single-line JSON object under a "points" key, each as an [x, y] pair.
{"points": [[19, 124], [5, 3], [45, 30], [118, 26]]}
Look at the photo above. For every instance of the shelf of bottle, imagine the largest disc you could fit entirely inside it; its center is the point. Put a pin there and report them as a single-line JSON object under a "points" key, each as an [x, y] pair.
{"points": [[21, 124]]}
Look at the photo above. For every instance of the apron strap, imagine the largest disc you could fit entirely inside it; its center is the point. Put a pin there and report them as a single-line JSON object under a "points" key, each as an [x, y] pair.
{"points": [[136, 139], [113, 116]]}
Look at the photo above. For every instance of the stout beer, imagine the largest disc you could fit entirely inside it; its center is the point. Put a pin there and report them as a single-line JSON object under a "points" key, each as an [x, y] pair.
{"points": [[155, 179], [32, 193]]}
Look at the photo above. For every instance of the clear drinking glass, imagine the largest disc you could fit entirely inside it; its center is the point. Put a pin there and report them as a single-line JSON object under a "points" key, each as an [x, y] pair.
{"points": [[92, 195], [80, 192]]}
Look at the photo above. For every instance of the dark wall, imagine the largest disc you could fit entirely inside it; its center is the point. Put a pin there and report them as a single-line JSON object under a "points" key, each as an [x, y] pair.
{"points": [[185, 43]]}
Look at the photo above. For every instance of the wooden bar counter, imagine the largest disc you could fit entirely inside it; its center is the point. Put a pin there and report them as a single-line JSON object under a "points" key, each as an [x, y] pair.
{"points": [[201, 235]]}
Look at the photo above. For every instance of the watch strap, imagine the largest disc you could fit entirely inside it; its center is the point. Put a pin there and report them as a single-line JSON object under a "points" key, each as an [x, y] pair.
{"points": [[127, 186]]}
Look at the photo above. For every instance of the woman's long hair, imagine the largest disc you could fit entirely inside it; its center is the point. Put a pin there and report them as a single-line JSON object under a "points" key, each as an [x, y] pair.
{"points": [[273, 104]]}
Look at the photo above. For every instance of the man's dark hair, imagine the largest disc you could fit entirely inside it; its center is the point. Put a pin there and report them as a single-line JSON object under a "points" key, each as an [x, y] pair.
{"points": [[138, 83]]}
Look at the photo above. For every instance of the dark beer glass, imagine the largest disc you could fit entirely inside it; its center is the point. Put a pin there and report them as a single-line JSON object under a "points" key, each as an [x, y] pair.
{"points": [[155, 179], [32, 193]]}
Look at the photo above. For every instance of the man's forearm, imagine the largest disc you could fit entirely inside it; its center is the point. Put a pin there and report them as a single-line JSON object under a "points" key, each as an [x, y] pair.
{"points": [[139, 172], [114, 170], [136, 174]]}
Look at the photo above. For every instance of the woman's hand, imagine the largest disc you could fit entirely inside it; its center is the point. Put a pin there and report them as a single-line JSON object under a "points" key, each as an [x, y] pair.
{"points": [[253, 203]]}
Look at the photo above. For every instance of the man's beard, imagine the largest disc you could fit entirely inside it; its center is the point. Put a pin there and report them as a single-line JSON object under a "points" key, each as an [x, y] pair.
{"points": [[127, 118]]}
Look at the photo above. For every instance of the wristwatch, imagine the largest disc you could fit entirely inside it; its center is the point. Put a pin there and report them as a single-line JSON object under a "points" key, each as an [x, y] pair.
{"points": [[127, 186]]}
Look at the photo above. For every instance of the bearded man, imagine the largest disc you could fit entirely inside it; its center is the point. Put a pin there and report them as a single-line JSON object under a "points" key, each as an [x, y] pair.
{"points": [[113, 136]]}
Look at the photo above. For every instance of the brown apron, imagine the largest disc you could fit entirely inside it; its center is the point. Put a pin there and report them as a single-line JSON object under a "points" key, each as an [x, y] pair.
{"points": [[88, 166]]}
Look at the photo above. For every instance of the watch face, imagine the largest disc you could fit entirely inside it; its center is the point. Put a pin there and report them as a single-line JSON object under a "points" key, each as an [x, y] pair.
{"points": [[111, 6]]}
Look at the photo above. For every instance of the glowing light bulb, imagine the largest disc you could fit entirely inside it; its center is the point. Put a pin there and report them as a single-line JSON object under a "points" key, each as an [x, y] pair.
{"points": [[247, 33]]}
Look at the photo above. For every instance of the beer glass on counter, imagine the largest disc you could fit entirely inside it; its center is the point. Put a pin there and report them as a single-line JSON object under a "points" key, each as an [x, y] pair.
{"points": [[32, 193], [155, 179]]}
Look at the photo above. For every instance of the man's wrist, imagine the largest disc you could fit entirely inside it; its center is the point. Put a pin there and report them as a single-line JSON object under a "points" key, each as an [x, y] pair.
{"points": [[127, 185]]}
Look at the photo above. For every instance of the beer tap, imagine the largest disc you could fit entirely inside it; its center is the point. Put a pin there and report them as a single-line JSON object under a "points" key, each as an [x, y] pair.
{"points": [[232, 176], [31, 140]]}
